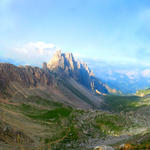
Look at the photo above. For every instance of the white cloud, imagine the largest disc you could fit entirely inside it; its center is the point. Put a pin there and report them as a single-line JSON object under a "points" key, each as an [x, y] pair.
{"points": [[146, 73], [130, 74], [32, 53]]}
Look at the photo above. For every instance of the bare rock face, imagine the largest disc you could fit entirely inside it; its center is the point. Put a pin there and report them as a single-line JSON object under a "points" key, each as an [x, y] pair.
{"points": [[65, 65]]}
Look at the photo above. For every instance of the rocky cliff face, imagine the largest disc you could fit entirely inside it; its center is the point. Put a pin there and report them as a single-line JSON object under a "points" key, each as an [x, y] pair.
{"points": [[26, 76], [65, 65]]}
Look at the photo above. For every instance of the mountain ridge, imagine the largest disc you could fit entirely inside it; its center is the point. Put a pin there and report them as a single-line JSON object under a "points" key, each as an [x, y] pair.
{"points": [[23, 81]]}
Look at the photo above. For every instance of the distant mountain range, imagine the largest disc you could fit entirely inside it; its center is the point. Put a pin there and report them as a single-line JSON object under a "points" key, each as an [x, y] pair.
{"points": [[125, 78]]}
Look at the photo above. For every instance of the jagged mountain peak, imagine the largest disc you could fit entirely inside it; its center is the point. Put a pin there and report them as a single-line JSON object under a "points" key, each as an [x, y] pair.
{"points": [[63, 61], [66, 64]]}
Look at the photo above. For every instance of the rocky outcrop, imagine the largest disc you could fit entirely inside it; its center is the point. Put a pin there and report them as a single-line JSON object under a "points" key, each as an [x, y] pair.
{"points": [[125, 146], [65, 65]]}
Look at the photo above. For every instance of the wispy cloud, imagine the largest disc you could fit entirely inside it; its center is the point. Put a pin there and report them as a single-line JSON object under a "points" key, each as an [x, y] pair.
{"points": [[131, 74], [33, 53]]}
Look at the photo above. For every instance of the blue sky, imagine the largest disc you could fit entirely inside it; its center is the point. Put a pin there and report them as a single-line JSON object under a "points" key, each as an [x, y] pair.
{"points": [[113, 31]]}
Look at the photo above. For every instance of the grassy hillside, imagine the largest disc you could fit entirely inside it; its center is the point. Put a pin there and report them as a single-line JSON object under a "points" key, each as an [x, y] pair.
{"points": [[120, 103], [37, 123], [46, 124]]}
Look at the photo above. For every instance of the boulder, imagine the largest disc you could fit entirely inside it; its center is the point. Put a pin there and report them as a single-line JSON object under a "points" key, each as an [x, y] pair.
{"points": [[103, 147], [125, 147]]}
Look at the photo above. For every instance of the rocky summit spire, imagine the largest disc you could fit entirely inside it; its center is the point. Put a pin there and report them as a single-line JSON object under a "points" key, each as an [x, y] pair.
{"points": [[62, 61], [66, 65], [57, 53]]}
